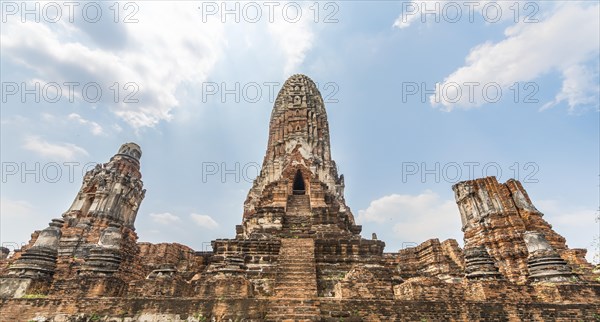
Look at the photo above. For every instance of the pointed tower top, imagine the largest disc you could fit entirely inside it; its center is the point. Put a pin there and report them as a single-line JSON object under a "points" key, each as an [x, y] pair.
{"points": [[112, 191], [299, 84], [131, 150], [298, 121]]}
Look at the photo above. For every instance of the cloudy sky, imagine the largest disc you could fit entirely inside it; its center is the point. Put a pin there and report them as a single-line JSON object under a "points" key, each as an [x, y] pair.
{"points": [[419, 96]]}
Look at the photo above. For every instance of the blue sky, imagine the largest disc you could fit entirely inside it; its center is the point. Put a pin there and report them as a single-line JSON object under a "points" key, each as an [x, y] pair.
{"points": [[398, 138]]}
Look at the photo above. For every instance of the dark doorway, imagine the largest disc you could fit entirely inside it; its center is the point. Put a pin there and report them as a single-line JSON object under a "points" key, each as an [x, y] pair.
{"points": [[298, 186]]}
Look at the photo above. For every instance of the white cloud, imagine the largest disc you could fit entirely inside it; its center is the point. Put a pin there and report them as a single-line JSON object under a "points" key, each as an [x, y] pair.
{"points": [[579, 88], [165, 218], [294, 39], [17, 120], [406, 18], [559, 43], [15, 208], [95, 128], [204, 221], [60, 151], [414, 218], [155, 56], [171, 47]]}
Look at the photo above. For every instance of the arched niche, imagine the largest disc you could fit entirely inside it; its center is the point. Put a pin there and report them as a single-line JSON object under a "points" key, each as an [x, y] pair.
{"points": [[299, 186]]}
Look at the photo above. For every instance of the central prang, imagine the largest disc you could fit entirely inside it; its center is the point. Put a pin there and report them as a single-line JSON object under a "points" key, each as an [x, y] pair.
{"points": [[298, 180]]}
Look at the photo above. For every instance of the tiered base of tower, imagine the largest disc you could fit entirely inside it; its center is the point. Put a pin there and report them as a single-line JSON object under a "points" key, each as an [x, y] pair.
{"points": [[306, 279]]}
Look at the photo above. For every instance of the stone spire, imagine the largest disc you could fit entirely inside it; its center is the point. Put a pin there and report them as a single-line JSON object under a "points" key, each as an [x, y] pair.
{"points": [[94, 237], [297, 162], [298, 119], [113, 190], [298, 140]]}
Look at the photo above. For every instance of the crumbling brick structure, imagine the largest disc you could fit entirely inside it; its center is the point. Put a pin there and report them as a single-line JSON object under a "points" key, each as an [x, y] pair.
{"points": [[298, 254]]}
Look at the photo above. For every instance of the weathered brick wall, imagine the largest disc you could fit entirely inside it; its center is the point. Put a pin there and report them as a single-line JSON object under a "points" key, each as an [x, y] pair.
{"points": [[334, 310], [365, 310], [431, 258], [180, 257], [137, 309], [335, 258]]}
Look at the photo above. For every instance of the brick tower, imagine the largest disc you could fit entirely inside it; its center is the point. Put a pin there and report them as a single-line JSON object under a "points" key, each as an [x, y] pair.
{"points": [[94, 243], [298, 192]]}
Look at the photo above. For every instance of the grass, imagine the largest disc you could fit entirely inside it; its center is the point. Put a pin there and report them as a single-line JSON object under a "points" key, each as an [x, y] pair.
{"points": [[201, 318], [34, 296]]}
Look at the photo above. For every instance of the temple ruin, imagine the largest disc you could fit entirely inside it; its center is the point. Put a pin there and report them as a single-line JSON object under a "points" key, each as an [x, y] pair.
{"points": [[298, 254]]}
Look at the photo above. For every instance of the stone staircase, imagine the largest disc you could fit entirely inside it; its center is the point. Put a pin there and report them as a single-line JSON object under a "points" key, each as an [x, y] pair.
{"points": [[296, 284], [298, 217]]}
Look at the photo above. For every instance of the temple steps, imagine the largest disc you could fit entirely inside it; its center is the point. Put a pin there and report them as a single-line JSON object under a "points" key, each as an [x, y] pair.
{"points": [[297, 222], [296, 283], [297, 204]]}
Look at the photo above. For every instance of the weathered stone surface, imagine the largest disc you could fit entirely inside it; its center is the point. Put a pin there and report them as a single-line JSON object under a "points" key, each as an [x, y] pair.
{"points": [[480, 265], [39, 261], [105, 257], [4, 252], [497, 216], [431, 258], [427, 289], [14, 287], [113, 190], [298, 254], [544, 263]]}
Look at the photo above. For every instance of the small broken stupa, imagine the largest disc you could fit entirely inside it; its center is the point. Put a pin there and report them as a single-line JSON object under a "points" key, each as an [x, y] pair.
{"points": [[298, 254]]}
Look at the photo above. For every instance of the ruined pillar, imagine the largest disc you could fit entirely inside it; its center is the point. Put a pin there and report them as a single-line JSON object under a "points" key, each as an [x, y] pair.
{"points": [[105, 258], [479, 265], [500, 217], [32, 272], [490, 219], [544, 263], [39, 261]]}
